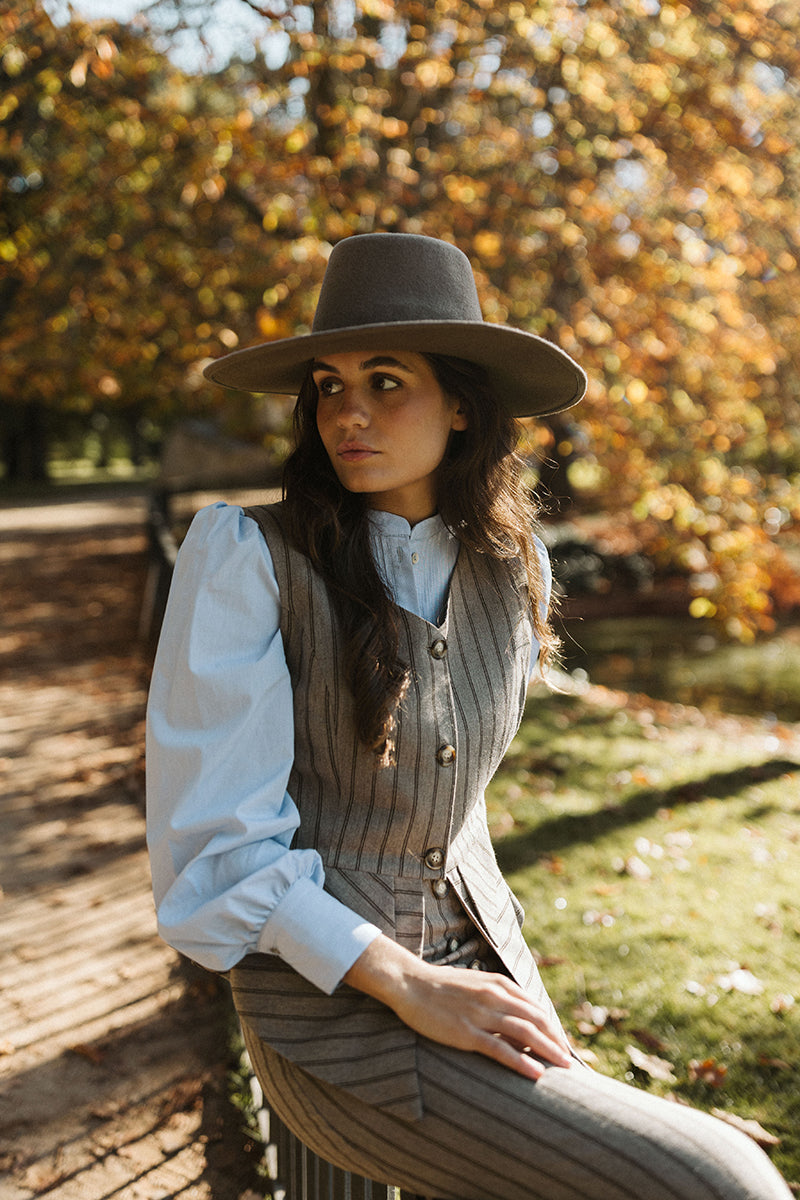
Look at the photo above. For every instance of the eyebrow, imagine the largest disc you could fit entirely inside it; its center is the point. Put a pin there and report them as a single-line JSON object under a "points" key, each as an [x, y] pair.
{"points": [[379, 360]]}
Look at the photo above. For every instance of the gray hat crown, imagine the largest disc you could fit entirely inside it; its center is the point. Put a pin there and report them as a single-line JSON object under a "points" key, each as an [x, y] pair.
{"points": [[394, 278]]}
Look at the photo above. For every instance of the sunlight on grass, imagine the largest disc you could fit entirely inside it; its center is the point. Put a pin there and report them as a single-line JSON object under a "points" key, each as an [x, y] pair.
{"points": [[84, 470], [656, 850]]}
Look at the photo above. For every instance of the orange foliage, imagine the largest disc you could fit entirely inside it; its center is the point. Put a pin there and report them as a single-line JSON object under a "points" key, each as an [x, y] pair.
{"points": [[622, 175]]}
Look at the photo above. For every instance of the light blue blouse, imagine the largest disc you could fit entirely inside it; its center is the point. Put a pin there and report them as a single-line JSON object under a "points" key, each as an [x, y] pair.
{"points": [[220, 740]]}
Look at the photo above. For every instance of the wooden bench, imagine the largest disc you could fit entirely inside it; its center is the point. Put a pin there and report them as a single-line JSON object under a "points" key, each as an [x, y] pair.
{"points": [[295, 1173]]}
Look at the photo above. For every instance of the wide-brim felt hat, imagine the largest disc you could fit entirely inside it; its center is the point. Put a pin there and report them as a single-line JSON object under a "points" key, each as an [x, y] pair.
{"points": [[403, 291]]}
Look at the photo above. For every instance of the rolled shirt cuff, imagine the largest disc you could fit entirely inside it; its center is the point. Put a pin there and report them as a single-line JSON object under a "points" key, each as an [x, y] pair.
{"points": [[316, 934]]}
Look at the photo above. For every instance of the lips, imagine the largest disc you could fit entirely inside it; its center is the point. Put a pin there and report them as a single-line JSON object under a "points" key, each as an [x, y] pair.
{"points": [[354, 451]]}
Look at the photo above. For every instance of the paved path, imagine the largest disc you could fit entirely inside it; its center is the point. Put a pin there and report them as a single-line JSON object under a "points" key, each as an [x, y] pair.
{"points": [[113, 1055]]}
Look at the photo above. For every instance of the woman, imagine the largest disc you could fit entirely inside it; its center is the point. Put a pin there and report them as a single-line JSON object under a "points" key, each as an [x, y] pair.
{"points": [[337, 680]]}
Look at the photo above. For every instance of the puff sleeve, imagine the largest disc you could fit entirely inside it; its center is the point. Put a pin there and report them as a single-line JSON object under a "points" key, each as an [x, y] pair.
{"points": [[219, 754]]}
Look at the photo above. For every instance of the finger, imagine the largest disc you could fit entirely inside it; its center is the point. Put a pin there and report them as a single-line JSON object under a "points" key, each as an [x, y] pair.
{"points": [[527, 1009], [527, 1013], [544, 1042], [509, 1056]]}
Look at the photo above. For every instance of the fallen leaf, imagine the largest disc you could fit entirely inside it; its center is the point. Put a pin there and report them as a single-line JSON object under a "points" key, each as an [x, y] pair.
{"points": [[748, 1126], [779, 1064], [606, 889], [781, 1004], [649, 1039], [656, 1068], [105, 1112], [550, 960], [741, 980], [637, 868], [709, 1071], [86, 1051], [586, 1055], [592, 917], [590, 1018]]}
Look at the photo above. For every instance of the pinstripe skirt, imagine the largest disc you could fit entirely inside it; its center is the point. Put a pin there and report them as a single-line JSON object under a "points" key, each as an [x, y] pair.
{"points": [[487, 1133]]}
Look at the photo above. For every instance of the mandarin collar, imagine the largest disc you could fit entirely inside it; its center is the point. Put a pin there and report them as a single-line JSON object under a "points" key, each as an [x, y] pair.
{"points": [[387, 524]]}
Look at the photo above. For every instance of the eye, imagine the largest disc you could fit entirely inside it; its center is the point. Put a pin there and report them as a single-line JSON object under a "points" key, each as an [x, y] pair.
{"points": [[329, 386], [385, 383]]}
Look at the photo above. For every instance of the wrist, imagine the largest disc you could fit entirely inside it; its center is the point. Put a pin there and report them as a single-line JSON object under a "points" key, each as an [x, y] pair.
{"points": [[385, 970]]}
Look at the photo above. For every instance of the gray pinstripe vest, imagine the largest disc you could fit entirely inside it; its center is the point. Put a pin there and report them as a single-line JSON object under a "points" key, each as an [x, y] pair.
{"points": [[393, 838]]}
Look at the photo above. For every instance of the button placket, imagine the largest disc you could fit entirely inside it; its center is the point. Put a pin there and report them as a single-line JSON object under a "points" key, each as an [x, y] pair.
{"points": [[435, 857]]}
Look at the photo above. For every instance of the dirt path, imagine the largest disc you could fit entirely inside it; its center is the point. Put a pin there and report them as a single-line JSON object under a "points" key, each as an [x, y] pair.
{"points": [[112, 1054]]}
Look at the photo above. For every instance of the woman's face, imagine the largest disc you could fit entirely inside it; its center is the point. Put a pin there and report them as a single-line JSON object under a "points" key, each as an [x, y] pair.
{"points": [[385, 423]]}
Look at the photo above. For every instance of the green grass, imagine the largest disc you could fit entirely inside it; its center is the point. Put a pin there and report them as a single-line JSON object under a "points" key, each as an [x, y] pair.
{"points": [[84, 470], [600, 789]]}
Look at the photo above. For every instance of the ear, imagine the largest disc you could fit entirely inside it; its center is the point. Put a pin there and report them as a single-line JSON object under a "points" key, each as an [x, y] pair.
{"points": [[459, 420]]}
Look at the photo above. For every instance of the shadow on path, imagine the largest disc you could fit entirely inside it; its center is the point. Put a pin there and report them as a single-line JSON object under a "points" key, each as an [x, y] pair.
{"points": [[113, 1050]]}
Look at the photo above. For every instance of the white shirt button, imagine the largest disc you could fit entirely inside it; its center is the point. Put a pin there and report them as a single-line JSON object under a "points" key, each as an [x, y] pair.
{"points": [[415, 558]]}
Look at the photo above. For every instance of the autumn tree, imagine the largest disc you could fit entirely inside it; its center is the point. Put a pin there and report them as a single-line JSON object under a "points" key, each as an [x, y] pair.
{"points": [[623, 177], [126, 260]]}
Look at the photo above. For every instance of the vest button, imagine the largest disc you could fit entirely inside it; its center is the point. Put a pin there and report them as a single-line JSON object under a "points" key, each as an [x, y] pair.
{"points": [[446, 756], [476, 965], [434, 858], [453, 945], [438, 649], [440, 888]]}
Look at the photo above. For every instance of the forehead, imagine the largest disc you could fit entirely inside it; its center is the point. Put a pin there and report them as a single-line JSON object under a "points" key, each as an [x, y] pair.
{"points": [[369, 360]]}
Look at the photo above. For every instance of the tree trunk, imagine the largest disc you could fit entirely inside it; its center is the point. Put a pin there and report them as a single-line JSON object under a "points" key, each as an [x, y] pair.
{"points": [[23, 442]]}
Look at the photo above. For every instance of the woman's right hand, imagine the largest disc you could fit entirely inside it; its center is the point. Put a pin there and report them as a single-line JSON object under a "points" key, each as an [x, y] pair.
{"points": [[470, 1010]]}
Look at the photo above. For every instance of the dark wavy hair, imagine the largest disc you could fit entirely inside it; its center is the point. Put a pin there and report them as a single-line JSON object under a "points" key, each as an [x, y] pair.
{"points": [[481, 498]]}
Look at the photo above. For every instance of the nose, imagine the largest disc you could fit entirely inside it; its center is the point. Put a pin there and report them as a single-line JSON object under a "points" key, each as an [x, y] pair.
{"points": [[352, 410]]}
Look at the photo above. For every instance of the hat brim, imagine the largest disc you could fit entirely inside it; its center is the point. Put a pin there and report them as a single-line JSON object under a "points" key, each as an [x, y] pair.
{"points": [[528, 374]]}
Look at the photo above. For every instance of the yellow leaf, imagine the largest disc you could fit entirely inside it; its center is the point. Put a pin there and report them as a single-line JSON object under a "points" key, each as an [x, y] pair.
{"points": [[748, 1126]]}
